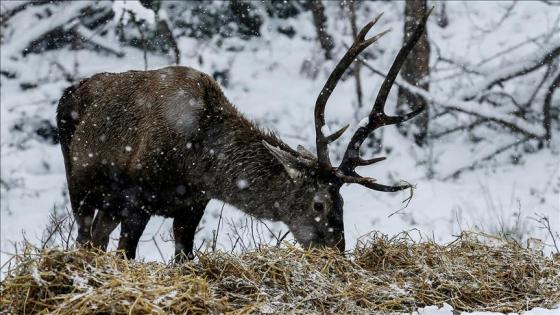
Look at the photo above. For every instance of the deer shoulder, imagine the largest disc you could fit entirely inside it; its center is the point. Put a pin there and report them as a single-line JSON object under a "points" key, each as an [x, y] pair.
{"points": [[142, 109]]}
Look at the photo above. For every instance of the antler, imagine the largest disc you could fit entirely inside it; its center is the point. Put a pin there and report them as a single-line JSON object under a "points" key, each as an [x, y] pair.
{"points": [[377, 118], [357, 47]]}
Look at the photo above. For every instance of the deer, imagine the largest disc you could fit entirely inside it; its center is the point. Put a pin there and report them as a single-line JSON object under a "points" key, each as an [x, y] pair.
{"points": [[165, 142]]}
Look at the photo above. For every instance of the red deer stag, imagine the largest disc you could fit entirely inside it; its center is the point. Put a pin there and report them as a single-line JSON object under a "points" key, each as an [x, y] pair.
{"points": [[165, 142]]}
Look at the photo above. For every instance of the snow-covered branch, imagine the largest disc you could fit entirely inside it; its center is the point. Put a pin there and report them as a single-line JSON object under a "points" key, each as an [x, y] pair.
{"points": [[24, 36], [520, 66], [472, 108], [89, 36]]}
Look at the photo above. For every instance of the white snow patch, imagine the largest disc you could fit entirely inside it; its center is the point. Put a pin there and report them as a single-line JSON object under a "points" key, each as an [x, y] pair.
{"points": [[326, 130], [242, 183], [128, 7], [36, 276], [363, 122]]}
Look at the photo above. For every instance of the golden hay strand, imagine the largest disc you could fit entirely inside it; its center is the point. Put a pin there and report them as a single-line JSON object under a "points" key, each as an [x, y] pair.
{"points": [[476, 272]]}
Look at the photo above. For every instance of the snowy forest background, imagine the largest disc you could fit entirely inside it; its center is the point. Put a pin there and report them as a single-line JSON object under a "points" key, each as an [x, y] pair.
{"points": [[485, 156]]}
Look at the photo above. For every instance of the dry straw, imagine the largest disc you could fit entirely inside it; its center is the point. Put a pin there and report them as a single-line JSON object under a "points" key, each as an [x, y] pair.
{"points": [[476, 272]]}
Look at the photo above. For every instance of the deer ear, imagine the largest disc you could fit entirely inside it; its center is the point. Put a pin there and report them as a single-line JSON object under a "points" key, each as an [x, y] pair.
{"points": [[305, 153], [291, 163]]}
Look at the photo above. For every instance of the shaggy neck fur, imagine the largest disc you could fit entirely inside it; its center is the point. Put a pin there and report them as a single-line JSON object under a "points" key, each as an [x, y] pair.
{"points": [[240, 170]]}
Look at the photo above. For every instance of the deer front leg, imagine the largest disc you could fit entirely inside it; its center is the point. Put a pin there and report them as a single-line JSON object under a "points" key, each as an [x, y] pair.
{"points": [[103, 224], [184, 228], [84, 211], [131, 230], [84, 218]]}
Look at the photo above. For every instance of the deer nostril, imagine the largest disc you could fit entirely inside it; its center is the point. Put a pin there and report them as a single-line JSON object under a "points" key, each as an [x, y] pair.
{"points": [[318, 206]]}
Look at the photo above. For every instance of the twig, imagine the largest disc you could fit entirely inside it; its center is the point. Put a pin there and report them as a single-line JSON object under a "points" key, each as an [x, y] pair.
{"points": [[72, 223], [545, 223], [506, 15], [486, 158], [458, 128], [538, 59], [217, 232], [158, 249], [547, 121], [406, 201], [446, 105], [539, 86], [281, 239], [499, 121]]}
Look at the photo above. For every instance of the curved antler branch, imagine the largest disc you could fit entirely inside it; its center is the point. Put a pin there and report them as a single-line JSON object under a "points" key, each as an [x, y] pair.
{"points": [[362, 162], [371, 183], [357, 47], [337, 134], [377, 117]]}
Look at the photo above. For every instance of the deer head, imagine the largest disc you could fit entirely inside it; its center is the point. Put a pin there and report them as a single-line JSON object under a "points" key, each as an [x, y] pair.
{"points": [[316, 218]]}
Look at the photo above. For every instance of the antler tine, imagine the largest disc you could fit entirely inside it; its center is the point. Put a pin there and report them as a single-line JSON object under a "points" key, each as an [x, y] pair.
{"points": [[363, 32], [337, 134], [377, 117], [385, 188], [361, 162], [357, 47], [370, 183]]}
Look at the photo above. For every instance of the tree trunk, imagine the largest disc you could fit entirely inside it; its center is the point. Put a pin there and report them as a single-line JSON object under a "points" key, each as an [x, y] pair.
{"points": [[415, 69], [443, 18], [320, 21], [352, 10], [164, 35], [547, 121], [375, 140]]}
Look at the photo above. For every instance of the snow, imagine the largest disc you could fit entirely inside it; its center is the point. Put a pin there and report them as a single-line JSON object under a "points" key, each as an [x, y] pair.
{"points": [[125, 8], [267, 85], [36, 276], [326, 130], [446, 309], [242, 183], [25, 35], [524, 63], [98, 40], [363, 122], [169, 296]]}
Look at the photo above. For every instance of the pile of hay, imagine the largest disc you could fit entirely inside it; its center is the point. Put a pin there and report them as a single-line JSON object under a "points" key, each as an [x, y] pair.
{"points": [[474, 273]]}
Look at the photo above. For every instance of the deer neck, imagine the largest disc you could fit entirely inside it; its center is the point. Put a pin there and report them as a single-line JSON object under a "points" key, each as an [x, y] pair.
{"points": [[242, 172]]}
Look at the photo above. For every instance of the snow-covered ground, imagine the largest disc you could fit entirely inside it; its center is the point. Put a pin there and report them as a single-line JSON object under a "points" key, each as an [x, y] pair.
{"points": [[446, 309], [267, 84]]}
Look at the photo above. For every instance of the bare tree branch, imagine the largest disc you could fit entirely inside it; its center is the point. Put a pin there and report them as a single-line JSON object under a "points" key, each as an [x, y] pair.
{"points": [[522, 66], [458, 105], [547, 121], [487, 157]]}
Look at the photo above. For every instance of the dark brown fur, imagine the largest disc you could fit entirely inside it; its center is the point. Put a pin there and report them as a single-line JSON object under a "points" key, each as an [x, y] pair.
{"points": [[165, 142]]}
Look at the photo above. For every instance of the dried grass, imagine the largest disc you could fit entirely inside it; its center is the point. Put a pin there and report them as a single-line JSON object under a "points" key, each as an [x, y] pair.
{"points": [[476, 272]]}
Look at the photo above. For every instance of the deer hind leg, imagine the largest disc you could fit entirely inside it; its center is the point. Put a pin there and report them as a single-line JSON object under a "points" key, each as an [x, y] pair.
{"points": [[185, 223], [132, 228]]}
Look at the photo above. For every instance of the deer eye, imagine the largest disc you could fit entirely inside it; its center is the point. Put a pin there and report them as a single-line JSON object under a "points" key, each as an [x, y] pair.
{"points": [[318, 206]]}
